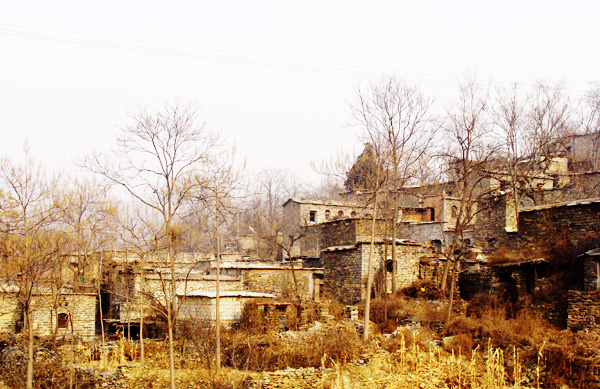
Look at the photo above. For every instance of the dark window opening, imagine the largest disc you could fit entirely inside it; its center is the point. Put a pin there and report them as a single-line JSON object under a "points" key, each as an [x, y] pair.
{"points": [[432, 214], [353, 214], [312, 216], [341, 214], [389, 266], [327, 214], [63, 320], [437, 244]]}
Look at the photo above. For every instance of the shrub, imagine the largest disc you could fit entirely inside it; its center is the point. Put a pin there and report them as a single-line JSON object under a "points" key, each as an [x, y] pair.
{"points": [[423, 290], [339, 344]]}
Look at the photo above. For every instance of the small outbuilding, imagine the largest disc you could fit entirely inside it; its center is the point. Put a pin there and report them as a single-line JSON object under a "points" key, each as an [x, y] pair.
{"points": [[201, 305]]}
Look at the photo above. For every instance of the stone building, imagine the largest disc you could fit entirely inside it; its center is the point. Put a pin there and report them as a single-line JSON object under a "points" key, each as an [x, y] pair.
{"points": [[72, 314], [343, 247], [131, 288], [200, 306], [66, 315]]}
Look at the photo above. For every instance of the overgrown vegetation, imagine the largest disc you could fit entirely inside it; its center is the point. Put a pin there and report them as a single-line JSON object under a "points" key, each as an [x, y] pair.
{"points": [[488, 346]]}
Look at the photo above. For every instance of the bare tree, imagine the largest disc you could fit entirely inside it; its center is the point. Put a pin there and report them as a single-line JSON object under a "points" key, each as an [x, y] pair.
{"points": [[469, 151], [30, 240], [531, 129], [139, 235], [395, 118], [590, 123], [221, 183], [263, 215], [155, 160]]}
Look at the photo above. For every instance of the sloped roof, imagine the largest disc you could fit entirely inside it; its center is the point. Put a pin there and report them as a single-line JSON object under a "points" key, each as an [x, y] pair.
{"points": [[334, 203], [563, 204], [225, 293]]}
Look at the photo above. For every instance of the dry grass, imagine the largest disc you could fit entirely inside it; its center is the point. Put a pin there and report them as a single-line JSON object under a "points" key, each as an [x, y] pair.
{"points": [[340, 343], [414, 367]]}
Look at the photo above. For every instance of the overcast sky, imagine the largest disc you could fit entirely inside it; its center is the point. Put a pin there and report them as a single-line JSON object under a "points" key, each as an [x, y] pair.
{"points": [[273, 76]]}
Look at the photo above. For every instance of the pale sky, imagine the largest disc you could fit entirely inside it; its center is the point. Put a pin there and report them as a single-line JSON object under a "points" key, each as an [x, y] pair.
{"points": [[273, 76]]}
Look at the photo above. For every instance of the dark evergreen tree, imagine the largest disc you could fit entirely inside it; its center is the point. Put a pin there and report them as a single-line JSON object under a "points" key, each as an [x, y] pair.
{"points": [[362, 175]]}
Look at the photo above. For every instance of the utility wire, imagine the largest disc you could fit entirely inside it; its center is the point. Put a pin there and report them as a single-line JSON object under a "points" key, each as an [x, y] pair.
{"points": [[170, 49]]}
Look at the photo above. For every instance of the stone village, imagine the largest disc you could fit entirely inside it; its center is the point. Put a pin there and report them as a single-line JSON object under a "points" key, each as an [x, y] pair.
{"points": [[324, 254]]}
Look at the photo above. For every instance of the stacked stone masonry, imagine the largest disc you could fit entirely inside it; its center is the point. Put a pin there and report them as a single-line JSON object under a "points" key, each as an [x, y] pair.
{"points": [[583, 310]]}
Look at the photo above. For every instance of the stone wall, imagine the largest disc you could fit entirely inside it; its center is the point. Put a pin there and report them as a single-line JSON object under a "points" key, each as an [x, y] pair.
{"points": [[424, 232], [80, 310], [590, 274], [203, 309], [583, 310], [364, 227], [338, 233], [280, 282], [550, 227], [10, 313], [343, 275], [431, 268], [489, 231], [346, 269]]}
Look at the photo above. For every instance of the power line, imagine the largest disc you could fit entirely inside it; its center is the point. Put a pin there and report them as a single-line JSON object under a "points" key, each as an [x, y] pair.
{"points": [[300, 64]]}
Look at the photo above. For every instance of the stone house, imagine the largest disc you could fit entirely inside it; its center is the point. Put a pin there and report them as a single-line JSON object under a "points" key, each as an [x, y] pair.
{"points": [[343, 246], [131, 288], [200, 306], [74, 314], [583, 306], [69, 314]]}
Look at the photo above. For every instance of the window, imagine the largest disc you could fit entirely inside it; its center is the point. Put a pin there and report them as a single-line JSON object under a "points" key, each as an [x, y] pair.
{"points": [[312, 217], [63, 320], [389, 266], [353, 214], [432, 215], [327, 214], [341, 214], [454, 211]]}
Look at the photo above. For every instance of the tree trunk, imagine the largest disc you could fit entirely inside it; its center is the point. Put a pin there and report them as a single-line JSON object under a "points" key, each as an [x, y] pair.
{"points": [[171, 306], [369, 273], [451, 299], [142, 284], [29, 345], [217, 287], [394, 259]]}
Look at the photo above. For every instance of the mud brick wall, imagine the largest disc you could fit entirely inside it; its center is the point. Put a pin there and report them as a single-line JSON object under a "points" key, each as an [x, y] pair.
{"points": [[549, 228], [583, 310], [342, 275]]}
